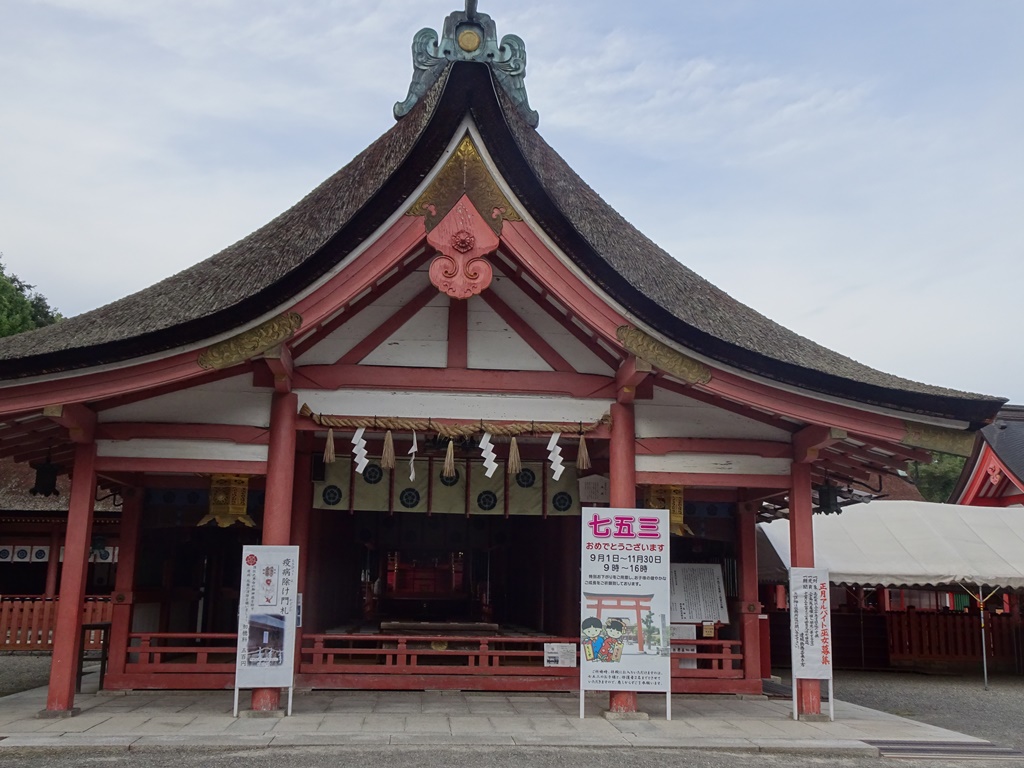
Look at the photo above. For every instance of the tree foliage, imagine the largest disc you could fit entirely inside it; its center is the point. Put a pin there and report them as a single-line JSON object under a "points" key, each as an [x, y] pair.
{"points": [[937, 480], [21, 307]]}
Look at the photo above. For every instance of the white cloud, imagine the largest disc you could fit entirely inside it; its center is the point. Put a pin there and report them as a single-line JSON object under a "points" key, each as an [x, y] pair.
{"points": [[865, 196]]}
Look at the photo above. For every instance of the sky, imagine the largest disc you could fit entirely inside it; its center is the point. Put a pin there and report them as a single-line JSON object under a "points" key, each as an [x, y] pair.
{"points": [[853, 169]]}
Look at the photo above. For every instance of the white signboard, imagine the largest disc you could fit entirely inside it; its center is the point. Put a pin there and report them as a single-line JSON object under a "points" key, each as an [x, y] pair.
{"points": [[266, 617], [559, 654], [625, 645], [698, 593], [810, 609]]}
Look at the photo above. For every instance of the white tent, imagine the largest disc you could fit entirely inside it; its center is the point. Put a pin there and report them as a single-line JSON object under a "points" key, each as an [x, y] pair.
{"points": [[907, 543]]}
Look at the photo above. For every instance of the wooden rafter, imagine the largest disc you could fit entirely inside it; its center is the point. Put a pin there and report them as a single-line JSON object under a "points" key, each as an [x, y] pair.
{"points": [[382, 332]]}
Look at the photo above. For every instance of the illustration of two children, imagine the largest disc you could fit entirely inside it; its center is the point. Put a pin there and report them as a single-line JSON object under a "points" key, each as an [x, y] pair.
{"points": [[602, 642]]}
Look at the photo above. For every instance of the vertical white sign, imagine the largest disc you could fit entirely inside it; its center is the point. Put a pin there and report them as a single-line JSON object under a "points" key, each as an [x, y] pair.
{"points": [[810, 612], [624, 601], [267, 604]]}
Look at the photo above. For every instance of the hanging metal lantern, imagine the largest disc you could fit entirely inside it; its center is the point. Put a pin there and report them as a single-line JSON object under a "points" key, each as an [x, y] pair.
{"points": [[46, 479], [229, 501]]}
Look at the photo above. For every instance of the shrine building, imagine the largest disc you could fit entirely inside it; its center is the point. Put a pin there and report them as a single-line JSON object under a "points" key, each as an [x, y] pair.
{"points": [[346, 378]]}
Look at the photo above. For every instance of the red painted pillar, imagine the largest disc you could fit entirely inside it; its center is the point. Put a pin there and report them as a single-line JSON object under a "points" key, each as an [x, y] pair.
{"points": [[67, 641], [302, 506], [622, 494], [277, 507], [801, 548], [750, 607], [124, 581], [53, 564]]}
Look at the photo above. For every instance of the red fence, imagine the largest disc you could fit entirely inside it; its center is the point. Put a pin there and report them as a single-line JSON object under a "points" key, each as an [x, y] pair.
{"points": [[27, 623], [917, 636], [381, 662]]}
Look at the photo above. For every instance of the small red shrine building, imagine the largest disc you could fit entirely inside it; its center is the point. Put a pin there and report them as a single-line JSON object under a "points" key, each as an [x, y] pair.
{"points": [[993, 475], [456, 278]]}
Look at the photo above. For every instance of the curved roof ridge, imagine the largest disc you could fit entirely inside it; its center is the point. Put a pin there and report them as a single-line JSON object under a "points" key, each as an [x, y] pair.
{"points": [[242, 270], [679, 291]]}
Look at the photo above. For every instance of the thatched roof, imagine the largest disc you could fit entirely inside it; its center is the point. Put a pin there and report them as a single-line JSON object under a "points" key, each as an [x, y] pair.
{"points": [[261, 271]]}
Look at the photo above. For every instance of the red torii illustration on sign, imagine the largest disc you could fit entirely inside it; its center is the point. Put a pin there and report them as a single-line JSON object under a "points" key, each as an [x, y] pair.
{"points": [[636, 603]]}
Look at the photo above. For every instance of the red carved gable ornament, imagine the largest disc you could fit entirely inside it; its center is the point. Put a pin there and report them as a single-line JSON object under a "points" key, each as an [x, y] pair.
{"points": [[462, 239]]}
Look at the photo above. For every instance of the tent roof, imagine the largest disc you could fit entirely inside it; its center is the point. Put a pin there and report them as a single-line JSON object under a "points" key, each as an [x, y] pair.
{"points": [[907, 543]]}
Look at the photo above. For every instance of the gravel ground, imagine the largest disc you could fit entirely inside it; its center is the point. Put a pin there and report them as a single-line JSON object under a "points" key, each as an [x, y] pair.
{"points": [[959, 703], [21, 671]]}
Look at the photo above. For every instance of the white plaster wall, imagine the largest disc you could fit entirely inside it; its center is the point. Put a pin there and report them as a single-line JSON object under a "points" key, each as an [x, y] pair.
{"points": [[553, 332], [229, 401], [453, 405], [713, 464], [673, 415], [492, 345], [181, 449]]}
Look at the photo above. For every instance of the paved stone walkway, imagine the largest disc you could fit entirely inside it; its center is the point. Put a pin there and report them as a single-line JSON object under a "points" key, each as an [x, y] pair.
{"points": [[167, 720]]}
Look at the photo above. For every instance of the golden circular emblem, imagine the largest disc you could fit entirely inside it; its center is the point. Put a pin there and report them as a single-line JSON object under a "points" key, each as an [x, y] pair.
{"points": [[439, 645], [469, 40]]}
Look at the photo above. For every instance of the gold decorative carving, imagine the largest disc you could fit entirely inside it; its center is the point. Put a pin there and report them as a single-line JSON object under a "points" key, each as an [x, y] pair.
{"points": [[250, 343], [663, 356], [469, 40], [464, 174], [941, 439]]}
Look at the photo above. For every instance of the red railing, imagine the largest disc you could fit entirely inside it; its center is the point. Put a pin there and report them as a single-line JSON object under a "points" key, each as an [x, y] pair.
{"points": [[27, 622], [372, 661], [181, 652], [949, 637]]}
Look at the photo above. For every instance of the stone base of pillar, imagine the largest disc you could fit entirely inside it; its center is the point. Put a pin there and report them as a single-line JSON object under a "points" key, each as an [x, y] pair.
{"points": [[609, 715], [56, 714]]}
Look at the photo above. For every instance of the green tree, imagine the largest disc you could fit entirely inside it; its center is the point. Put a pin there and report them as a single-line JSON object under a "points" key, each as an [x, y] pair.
{"points": [[937, 480], [21, 307]]}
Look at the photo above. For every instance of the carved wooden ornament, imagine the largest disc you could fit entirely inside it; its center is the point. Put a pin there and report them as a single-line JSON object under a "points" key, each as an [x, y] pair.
{"points": [[462, 239]]}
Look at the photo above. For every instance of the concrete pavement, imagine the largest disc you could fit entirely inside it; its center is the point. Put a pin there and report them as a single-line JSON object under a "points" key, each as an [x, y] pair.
{"points": [[155, 720]]}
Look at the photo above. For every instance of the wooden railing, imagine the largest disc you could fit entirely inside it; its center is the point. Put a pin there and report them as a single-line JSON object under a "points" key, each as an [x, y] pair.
{"points": [[27, 622], [715, 659], [950, 637], [373, 661], [181, 652]]}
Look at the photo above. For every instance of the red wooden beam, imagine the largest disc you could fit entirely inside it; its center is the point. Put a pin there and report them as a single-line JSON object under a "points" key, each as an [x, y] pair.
{"points": [[629, 376], [660, 446], [537, 342], [78, 420], [458, 333], [333, 377], [514, 274], [867, 458], [402, 272], [234, 433], [900, 452], [279, 361], [382, 332], [726, 405], [808, 442]]}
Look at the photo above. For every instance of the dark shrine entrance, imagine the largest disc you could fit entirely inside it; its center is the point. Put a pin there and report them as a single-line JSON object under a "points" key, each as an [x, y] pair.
{"points": [[373, 571]]}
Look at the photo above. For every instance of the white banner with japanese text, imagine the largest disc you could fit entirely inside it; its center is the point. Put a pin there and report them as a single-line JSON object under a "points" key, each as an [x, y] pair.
{"points": [[625, 630], [267, 603], [810, 608]]}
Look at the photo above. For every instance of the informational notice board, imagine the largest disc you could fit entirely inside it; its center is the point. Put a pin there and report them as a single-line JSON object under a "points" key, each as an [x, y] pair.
{"points": [[624, 625], [698, 594], [268, 599], [811, 630], [810, 611]]}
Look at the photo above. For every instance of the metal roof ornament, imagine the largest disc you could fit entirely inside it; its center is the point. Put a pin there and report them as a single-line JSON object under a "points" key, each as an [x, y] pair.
{"points": [[468, 36]]}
